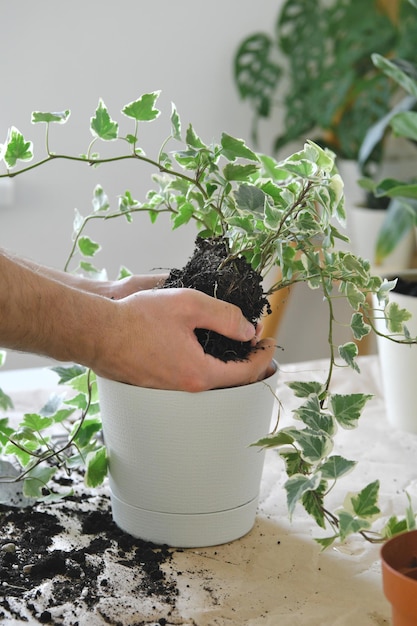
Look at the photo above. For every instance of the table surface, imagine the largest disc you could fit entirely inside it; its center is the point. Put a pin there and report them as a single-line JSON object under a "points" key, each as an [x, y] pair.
{"points": [[277, 574]]}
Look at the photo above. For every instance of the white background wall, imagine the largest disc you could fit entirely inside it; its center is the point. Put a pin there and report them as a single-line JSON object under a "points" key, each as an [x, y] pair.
{"points": [[59, 55]]}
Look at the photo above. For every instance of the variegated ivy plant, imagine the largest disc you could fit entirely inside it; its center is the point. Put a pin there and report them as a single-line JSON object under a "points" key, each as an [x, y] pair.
{"points": [[275, 213]]}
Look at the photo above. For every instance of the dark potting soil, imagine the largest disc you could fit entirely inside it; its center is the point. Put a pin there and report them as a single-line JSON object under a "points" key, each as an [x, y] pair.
{"points": [[233, 280], [56, 556]]}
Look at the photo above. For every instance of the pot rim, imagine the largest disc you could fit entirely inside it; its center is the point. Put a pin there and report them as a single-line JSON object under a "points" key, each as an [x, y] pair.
{"points": [[386, 560], [218, 390]]}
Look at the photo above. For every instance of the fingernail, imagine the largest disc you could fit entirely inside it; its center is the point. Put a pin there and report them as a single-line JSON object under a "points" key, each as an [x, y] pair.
{"points": [[248, 331]]}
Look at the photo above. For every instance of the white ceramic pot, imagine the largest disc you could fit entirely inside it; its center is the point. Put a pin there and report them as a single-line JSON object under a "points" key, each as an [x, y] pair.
{"points": [[399, 367], [350, 172], [181, 468], [365, 225]]}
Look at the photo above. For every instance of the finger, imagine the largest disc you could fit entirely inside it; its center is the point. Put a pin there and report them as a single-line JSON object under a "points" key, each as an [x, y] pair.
{"points": [[258, 366], [221, 317]]}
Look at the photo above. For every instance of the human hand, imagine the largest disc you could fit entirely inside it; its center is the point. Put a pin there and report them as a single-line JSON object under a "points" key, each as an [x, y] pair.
{"points": [[118, 289], [152, 342]]}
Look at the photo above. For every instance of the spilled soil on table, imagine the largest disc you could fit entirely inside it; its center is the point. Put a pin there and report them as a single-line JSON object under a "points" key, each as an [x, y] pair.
{"points": [[62, 560]]}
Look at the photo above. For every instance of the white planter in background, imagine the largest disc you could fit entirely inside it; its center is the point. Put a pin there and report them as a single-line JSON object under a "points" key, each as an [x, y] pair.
{"points": [[181, 468], [365, 225], [399, 368]]}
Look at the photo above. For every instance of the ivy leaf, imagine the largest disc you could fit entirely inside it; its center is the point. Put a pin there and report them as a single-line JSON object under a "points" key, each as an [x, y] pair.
{"points": [[314, 446], [37, 479], [326, 542], [68, 373], [188, 159], [272, 169], [79, 401], [335, 467], [354, 295], [242, 223], [62, 415], [36, 422], [100, 199], [347, 408], [236, 148], [185, 213], [5, 401], [22, 456], [96, 467], [394, 526], [275, 440], [350, 524], [102, 125], [296, 486], [132, 139], [193, 140], [238, 172], [52, 405], [250, 199], [364, 503], [354, 265], [143, 110], [348, 352], [88, 247], [311, 414], [81, 383], [410, 515], [304, 389], [312, 501], [302, 168], [26, 437], [126, 204], [359, 327], [89, 268], [294, 463], [124, 273], [17, 148], [273, 216], [85, 432], [5, 431], [396, 317], [175, 123], [59, 117]]}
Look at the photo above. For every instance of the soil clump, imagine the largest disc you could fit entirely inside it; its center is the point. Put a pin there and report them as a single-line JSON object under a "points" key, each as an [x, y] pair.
{"points": [[212, 271]]}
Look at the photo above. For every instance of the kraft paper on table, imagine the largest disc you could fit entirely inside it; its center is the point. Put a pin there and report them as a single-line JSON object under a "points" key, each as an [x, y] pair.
{"points": [[277, 575]]}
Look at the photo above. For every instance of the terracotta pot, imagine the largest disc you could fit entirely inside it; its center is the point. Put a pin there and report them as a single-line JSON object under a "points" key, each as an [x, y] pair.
{"points": [[181, 468], [399, 576]]}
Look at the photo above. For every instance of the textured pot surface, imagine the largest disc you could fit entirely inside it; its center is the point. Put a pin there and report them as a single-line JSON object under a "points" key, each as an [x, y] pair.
{"points": [[398, 370], [181, 466], [399, 556]]}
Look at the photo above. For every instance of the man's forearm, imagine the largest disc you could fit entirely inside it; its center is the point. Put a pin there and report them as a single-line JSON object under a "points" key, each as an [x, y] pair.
{"points": [[42, 315], [108, 288]]}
